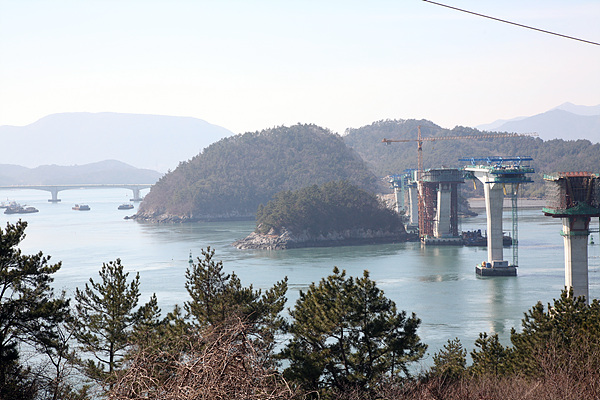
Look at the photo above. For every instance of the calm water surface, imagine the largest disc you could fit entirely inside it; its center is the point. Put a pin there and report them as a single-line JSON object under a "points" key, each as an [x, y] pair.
{"points": [[439, 284]]}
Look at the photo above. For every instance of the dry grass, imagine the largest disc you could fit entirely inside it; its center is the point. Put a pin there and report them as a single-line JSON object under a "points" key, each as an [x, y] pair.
{"points": [[221, 363], [225, 364]]}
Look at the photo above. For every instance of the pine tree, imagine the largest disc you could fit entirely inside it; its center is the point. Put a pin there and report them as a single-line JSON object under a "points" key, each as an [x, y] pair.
{"points": [[215, 295], [29, 312], [492, 358], [345, 334], [149, 323], [450, 362], [217, 298], [567, 326], [106, 318]]}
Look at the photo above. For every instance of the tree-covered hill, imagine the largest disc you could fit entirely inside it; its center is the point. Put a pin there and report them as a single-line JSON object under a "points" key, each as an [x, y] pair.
{"points": [[333, 214], [548, 156], [334, 206], [231, 177]]}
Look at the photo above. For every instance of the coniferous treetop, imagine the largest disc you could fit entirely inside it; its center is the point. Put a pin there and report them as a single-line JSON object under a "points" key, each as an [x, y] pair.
{"points": [[332, 207]]}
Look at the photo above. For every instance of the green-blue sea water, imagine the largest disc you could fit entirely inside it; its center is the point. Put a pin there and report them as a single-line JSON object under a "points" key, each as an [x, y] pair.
{"points": [[439, 284]]}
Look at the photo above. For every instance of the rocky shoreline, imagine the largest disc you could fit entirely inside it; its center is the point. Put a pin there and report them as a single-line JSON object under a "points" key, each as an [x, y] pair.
{"points": [[288, 240], [179, 219]]}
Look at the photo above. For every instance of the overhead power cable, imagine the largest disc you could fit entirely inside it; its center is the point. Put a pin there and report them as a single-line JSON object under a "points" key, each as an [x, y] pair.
{"points": [[512, 23]]}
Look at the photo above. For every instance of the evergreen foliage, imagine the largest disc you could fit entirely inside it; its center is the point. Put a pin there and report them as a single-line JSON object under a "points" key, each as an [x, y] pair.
{"points": [[347, 340], [160, 344], [29, 311], [568, 325], [548, 156], [106, 318], [334, 206], [217, 297], [228, 326], [558, 333], [149, 322], [346, 334], [60, 379], [450, 362], [490, 357], [231, 177]]}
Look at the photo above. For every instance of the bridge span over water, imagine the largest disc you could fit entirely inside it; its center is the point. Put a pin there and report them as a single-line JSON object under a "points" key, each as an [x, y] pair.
{"points": [[54, 189]]}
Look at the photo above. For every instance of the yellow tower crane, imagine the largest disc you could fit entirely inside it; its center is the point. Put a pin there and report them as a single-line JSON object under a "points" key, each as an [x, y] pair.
{"points": [[420, 141]]}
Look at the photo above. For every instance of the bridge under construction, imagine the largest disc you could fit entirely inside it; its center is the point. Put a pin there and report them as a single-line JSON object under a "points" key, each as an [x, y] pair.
{"points": [[436, 197], [436, 213], [500, 176]]}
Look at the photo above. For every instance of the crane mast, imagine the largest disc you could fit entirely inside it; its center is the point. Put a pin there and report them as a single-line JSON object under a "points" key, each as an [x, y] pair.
{"points": [[420, 139]]}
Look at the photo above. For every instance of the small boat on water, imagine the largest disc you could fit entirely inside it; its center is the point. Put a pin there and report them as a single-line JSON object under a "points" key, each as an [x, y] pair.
{"points": [[125, 206], [18, 209], [81, 207], [6, 204]]}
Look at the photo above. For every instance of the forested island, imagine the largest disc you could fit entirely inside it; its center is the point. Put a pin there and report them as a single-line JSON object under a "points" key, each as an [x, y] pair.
{"points": [[231, 177], [334, 214]]}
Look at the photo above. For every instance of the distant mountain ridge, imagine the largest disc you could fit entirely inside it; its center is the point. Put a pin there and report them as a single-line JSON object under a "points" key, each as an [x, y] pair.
{"points": [[567, 121], [104, 172], [558, 124], [578, 109], [155, 142]]}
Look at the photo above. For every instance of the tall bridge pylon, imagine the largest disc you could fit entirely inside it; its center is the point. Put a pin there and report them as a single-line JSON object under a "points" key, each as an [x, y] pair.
{"points": [[575, 198], [500, 176]]}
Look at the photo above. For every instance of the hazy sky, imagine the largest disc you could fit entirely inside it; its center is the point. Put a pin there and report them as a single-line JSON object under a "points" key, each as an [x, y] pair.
{"points": [[249, 65]]}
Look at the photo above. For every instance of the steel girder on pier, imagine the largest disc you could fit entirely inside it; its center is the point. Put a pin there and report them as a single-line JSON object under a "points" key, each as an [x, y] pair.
{"points": [[499, 176]]}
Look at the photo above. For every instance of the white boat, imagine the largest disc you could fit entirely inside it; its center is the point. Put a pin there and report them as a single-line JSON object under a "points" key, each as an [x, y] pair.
{"points": [[18, 209]]}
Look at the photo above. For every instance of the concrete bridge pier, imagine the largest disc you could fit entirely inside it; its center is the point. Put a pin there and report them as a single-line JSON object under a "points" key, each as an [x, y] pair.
{"points": [[439, 210], [498, 175], [413, 205], [575, 233], [575, 198], [136, 195], [399, 196], [441, 226], [54, 199], [494, 199], [494, 202]]}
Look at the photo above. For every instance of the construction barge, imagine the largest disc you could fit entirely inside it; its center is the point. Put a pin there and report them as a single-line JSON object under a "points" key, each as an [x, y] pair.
{"points": [[467, 238]]}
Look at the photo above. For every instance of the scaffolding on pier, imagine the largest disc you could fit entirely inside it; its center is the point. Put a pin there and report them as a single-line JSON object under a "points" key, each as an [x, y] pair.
{"points": [[433, 181], [511, 173], [571, 194]]}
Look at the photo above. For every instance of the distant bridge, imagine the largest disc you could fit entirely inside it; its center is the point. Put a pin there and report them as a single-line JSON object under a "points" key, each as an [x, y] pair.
{"points": [[54, 189]]}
